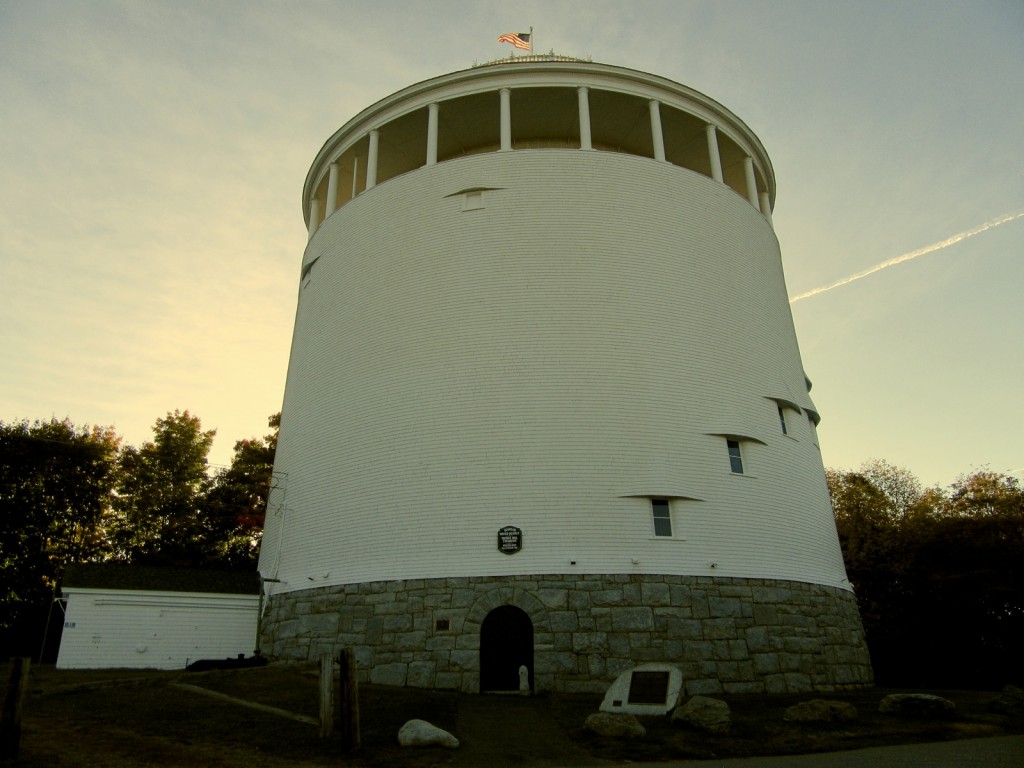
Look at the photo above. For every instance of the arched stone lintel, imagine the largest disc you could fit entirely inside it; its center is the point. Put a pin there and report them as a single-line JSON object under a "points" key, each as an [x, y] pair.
{"points": [[496, 598]]}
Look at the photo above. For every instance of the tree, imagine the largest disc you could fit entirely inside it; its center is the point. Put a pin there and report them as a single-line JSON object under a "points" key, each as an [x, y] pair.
{"points": [[868, 521], [237, 501], [56, 486], [896, 493], [938, 575], [985, 494], [970, 562], [158, 514]]}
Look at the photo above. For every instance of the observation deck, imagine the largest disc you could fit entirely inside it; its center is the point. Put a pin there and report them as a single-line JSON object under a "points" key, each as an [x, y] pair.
{"points": [[537, 102]]}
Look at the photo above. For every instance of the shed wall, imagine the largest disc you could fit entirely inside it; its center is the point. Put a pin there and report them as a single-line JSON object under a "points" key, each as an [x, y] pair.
{"points": [[154, 630]]}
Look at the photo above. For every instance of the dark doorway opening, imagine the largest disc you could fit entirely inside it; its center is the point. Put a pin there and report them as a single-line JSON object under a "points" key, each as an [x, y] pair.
{"points": [[506, 643]]}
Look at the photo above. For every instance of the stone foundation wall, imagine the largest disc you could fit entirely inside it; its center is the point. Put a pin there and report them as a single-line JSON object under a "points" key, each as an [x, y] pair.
{"points": [[725, 634]]}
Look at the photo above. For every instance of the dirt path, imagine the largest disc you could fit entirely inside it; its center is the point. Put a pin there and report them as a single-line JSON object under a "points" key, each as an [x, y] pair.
{"points": [[502, 731]]}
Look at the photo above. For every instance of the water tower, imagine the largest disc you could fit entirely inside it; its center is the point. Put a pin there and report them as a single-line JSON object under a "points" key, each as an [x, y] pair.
{"points": [[545, 404]]}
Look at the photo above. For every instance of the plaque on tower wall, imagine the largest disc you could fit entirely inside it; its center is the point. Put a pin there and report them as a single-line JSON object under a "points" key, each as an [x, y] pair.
{"points": [[510, 539]]}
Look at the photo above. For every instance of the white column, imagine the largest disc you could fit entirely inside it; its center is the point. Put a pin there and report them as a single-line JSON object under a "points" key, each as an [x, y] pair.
{"points": [[713, 154], [432, 134], [332, 191], [748, 171], [656, 136], [371, 160], [355, 175], [314, 216], [766, 207], [506, 119], [585, 141]]}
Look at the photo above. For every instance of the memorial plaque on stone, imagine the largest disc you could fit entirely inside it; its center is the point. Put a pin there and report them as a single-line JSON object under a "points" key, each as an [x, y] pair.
{"points": [[648, 687], [510, 539]]}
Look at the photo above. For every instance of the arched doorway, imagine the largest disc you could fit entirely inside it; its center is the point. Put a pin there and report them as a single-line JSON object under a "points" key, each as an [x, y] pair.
{"points": [[506, 643]]}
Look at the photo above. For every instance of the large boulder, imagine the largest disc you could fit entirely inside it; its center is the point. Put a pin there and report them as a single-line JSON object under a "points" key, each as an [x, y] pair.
{"points": [[1009, 702], [420, 733], [705, 713], [916, 704], [820, 711], [614, 724]]}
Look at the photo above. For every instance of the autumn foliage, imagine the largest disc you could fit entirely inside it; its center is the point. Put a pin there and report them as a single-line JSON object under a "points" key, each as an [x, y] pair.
{"points": [[939, 574]]}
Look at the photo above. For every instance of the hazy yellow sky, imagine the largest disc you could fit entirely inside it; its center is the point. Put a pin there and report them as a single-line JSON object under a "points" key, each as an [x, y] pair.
{"points": [[153, 156]]}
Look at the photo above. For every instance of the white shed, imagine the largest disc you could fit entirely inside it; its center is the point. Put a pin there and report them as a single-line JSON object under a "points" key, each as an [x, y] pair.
{"points": [[156, 618]]}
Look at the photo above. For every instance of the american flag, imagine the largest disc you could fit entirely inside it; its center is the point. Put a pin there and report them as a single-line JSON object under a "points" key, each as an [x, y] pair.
{"points": [[518, 39]]}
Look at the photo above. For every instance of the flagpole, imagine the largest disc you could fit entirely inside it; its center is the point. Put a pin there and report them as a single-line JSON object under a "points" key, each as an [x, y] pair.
{"points": [[531, 41]]}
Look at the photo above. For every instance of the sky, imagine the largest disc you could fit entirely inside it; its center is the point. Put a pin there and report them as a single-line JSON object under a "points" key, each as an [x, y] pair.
{"points": [[152, 157]]}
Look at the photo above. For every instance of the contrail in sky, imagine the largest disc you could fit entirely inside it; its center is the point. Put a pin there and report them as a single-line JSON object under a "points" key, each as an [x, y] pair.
{"points": [[911, 255]]}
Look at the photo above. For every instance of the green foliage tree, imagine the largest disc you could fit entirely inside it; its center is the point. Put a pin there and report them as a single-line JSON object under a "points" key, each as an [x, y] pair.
{"points": [[158, 514], [56, 486], [70, 494], [237, 501], [938, 574]]}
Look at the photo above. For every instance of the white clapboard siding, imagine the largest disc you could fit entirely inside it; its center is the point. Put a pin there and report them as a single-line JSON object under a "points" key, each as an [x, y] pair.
{"points": [[545, 338], [105, 628]]}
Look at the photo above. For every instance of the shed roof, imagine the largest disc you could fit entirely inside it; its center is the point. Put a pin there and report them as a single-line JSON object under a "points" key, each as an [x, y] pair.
{"points": [[160, 579]]}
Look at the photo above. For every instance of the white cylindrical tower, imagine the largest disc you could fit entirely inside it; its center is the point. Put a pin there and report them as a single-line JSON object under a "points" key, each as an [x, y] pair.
{"points": [[545, 404]]}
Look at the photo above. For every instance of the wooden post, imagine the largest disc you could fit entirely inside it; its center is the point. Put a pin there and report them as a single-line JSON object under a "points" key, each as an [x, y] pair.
{"points": [[326, 695], [10, 718], [350, 737]]}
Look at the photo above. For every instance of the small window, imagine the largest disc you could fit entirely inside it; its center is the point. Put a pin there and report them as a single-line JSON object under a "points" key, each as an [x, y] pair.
{"points": [[662, 517], [782, 420], [473, 200], [735, 457]]}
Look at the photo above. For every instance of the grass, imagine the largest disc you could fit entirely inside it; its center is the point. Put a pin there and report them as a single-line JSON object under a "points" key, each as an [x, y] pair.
{"points": [[134, 719]]}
